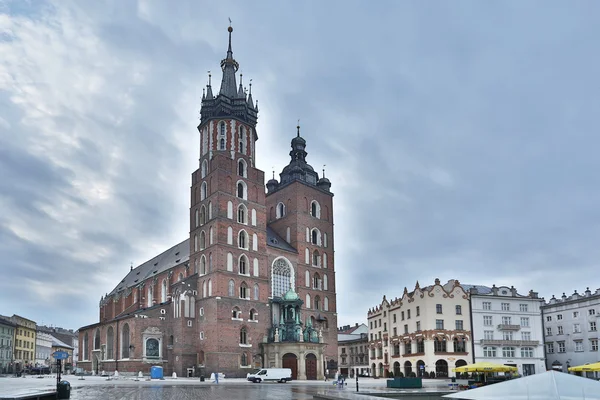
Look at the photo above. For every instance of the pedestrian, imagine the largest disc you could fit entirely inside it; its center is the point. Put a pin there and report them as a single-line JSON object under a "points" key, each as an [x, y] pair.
{"points": [[217, 378]]}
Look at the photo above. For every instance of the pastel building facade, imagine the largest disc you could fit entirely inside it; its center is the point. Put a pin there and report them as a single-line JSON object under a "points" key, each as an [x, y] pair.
{"points": [[571, 330], [507, 328], [424, 332]]}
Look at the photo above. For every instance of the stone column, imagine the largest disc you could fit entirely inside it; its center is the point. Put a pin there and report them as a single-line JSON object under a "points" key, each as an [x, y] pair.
{"points": [[302, 367], [320, 363], [429, 358], [277, 361]]}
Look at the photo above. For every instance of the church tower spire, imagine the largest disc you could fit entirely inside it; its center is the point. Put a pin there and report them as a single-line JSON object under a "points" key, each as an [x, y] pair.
{"points": [[230, 101], [229, 67]]}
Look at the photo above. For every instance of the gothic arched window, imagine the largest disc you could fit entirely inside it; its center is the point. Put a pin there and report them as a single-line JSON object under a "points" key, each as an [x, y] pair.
{"points": [[282, 277]]}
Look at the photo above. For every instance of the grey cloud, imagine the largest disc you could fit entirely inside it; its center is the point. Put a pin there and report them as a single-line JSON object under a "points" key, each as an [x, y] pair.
{"points": [[459, 139]]}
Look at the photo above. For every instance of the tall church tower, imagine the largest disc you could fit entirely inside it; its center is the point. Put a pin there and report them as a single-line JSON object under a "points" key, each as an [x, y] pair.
{"points": [[228, 229], [300, 209]]}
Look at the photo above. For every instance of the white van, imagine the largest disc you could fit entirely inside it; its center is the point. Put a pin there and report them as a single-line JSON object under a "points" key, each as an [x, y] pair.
{"points": [[281, 375]]}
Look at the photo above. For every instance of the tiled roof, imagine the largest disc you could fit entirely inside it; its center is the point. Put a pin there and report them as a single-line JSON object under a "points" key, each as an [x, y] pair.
{"points": [[274, 240], [176, 255]]}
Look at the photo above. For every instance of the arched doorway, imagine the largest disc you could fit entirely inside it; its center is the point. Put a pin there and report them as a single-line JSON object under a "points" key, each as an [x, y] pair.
{"points": [[380, 374], [311, 367], [420, 368], [407, 368], [459, 363], [291, 361], [441, 368], [373, 370], [396, 369]]}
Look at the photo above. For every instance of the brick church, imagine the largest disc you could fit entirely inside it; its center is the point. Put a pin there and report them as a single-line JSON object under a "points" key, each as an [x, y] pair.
{"points": [[253, 286]]}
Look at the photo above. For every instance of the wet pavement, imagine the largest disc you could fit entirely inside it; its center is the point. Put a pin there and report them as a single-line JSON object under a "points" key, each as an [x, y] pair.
{"points": [[124, 388], [212, 392]]}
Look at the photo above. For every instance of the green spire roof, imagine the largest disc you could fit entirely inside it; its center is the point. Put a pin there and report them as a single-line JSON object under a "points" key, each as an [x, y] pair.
{"points": [[291, 295]]}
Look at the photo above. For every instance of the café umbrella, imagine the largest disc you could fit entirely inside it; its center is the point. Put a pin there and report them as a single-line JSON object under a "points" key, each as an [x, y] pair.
{"points": [[485, 367], [586, 368]]}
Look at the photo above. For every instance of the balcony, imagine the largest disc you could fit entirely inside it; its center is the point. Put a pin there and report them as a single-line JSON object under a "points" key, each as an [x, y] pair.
{"points": [[506, 327], [487, 342]]}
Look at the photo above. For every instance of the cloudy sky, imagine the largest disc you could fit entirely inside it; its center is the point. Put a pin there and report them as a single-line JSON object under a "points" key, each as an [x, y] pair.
{"points": [[461, 138]]}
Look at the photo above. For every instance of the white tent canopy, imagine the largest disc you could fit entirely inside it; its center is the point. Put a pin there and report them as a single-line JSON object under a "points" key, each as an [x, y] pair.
{"points": [[551, 385]]}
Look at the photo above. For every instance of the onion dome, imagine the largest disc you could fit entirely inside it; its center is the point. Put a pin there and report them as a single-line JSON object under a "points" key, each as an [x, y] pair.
{"points": [[291, 295]]}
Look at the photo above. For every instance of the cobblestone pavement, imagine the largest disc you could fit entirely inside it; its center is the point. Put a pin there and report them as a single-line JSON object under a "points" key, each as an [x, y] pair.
{"points": [[179, 392]]}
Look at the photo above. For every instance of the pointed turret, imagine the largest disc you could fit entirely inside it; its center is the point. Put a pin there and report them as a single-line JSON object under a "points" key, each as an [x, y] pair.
{"points": [[249, 101], [209, 93], [241, 93], [229, 67]]}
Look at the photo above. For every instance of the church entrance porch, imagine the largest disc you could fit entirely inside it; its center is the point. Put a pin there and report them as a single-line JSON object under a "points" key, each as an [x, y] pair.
{"points": [[291, 361], [311, 367]]}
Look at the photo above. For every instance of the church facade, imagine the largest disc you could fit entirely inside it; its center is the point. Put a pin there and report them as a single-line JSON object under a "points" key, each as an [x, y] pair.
{"points": [[252, 286]]}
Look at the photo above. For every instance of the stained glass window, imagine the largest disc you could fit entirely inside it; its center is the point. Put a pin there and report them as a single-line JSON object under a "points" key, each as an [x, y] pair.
{"points": [[282, 277]]}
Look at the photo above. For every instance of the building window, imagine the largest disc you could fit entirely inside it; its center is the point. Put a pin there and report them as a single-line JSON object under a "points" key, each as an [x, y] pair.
{"points": [[575, 314], [507, 335], [488, 335], [394, 318], [241, 190], [525, 335], [438, 308], [593, 326], [549, 331], [527, 352], [592, 311], [253, 315], [243, 291], [242, 214], [243, 265], [281, 277], [489, 352], [407, 314], [243, 240], [523, 307], [458, 310], [559, 317], [315, 209], [459, 325], [222, 144], [549, 318], [439, 324], [459, 346], [560, 330], [418, 311], [256, 292], [594, 344], [506, 320], [525, 322], [550, 348], [561, 347], [243, 336], [316, 237], [231, 288], [439, 345], [578, 345], [406, 329], [508, 352], [505, 306], [418, 326], [222, 128], [280, 210], [487, 305], [487, 320], [576, 328], [402, 315], [236, 313]]}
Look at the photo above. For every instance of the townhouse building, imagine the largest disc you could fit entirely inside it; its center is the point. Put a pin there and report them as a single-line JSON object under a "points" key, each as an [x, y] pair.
{"points": [[571, 330], [507, 328]]}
